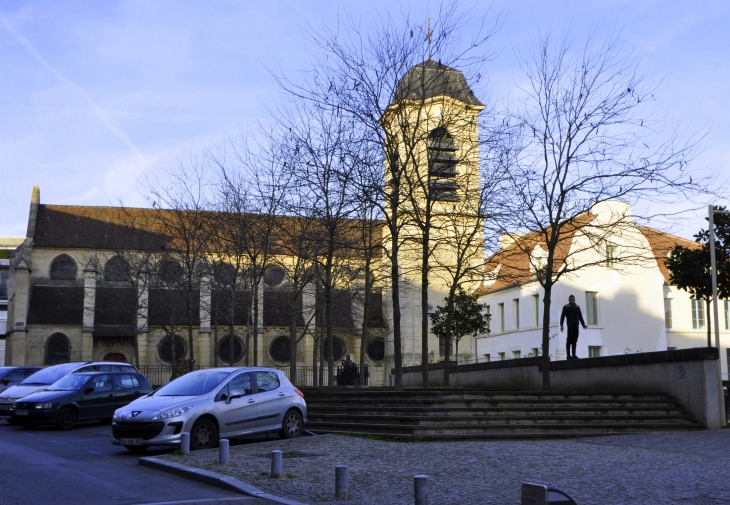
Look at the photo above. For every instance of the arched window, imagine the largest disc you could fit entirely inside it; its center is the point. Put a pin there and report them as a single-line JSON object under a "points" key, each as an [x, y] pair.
{"points": [[280, 350], [224, 274], [224, 350], [338, 350], [63, 269], [442, 161], [170, 272], [376, 350], [273, 276], [165, 349], [117, 270], [58, 349]]}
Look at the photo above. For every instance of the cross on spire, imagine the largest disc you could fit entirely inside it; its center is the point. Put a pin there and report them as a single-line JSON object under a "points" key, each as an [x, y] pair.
{"points": [[429, 33]]}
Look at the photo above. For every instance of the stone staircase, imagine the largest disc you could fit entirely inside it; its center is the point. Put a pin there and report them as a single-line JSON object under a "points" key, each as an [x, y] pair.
{"points": [[467, 414]]}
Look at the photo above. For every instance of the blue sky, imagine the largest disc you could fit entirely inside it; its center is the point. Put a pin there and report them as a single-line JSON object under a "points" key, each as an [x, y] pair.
{"points": [[94, 94]]}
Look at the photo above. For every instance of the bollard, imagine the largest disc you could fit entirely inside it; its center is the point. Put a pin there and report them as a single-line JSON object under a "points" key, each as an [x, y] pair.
{"points": [[420, 490], [341, 481], [275, 464], [223, 451], [185, 443]]}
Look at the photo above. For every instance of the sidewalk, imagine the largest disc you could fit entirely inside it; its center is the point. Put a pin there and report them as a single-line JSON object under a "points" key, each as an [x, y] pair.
{"points": [[690, 468]]}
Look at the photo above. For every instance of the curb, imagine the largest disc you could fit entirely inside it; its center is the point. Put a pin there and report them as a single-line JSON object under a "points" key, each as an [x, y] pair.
{"points": [[213, 479]]}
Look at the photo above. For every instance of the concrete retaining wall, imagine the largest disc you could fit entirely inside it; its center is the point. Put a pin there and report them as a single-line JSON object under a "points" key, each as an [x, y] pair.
{"points": [[689, 375]]}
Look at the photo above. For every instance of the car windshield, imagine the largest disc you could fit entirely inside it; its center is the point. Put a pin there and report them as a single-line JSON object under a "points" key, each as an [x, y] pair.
{"points": [[49, 375], [193, 384], [72, 382], [5, 369]]}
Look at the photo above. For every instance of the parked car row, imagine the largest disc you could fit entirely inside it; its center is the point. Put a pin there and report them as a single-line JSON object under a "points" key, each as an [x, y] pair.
{"points": [[208, 404]]}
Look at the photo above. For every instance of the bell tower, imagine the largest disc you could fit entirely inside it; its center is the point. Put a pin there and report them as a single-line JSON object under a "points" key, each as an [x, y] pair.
{"points": [[433, 178]]}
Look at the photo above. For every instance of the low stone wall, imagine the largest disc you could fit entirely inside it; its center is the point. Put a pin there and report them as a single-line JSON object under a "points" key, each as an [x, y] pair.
{"points": [[689, 375]]}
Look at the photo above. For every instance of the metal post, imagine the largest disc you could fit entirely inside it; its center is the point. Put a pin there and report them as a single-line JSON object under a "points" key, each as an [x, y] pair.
{"points": [[713, 269], [275, 464], [223, 454], [185, 443], [341, 482], [420, 490]]}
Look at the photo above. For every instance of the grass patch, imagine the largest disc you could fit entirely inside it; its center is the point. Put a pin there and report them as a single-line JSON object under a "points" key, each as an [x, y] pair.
{"points": [[290, 475], [275, 475], [177, 452], [264, 474]]}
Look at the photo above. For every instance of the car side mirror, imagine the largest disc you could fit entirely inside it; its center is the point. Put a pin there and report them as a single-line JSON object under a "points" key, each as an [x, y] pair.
{"points": [[89, 390], [234, 394]]}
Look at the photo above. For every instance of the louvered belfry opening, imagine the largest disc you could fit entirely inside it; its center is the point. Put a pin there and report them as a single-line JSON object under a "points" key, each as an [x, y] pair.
{"points": [[442, 161]]}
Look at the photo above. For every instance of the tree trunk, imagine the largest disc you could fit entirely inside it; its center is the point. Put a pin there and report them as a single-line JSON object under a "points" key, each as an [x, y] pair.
{"points": [[546, 332], [293, 344], [328, 325], [447, 337], [364, 332], [255, 325], [232, 313], [424, 303], [395, 288], [190, 330], [215, 341]]}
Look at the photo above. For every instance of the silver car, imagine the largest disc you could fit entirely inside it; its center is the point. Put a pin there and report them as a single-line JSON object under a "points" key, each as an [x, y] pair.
{"points": [[211, 404]]}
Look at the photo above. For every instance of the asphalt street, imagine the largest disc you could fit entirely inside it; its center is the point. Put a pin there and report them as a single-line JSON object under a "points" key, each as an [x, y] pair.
{"points": [[81, 467]]}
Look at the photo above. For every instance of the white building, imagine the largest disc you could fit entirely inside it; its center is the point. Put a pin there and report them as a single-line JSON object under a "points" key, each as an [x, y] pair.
{"points": [[624, 294]]}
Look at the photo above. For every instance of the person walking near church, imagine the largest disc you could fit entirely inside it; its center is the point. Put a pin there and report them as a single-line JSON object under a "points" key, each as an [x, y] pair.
{"points": [[572, 313]]}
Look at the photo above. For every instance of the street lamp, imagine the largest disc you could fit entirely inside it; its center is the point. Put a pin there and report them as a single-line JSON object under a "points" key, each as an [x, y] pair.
{"points": [[713, 268]]}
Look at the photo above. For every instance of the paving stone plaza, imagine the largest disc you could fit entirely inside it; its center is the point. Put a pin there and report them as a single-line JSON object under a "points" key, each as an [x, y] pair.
{"points": [[690, 468]]}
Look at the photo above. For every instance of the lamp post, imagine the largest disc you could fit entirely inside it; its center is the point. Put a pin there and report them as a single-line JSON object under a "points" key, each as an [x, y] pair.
{"points": [[713, 269]]}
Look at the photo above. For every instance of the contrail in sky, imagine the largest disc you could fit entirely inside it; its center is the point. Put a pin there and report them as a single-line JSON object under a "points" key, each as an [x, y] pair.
{"points": [[107, 119]]}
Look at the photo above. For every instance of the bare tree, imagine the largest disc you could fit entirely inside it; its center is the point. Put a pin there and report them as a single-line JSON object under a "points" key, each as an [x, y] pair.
{"points": [[358, 75], [584, 133]]}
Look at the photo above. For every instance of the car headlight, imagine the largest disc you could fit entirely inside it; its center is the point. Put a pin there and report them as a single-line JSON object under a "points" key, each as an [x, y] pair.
{"points": [[175, 412], [117, 415], [43, 405]]}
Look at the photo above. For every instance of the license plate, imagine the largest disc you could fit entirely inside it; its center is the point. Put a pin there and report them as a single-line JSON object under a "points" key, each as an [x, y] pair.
{"points": [[21, 412], [130, 441]]}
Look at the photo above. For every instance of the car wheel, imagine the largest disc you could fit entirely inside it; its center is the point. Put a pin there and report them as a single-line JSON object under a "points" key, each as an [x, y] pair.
{"points": [[204, 435], [136, 449], [292, 425], [66, 418]]}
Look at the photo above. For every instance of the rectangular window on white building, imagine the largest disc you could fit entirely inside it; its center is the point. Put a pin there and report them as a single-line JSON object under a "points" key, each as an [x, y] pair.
{"points": [[516, 354], [698, 314], [611, 255], [488, 311], [727, 352], [500, 307], [726, 305], [594, 351], [668, 313], [516, 310], [501, 356], [536, 308], [591, 308], [535, 352], [487, 358]]}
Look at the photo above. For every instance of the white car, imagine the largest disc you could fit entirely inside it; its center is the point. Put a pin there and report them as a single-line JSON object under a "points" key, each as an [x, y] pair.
{"points": [[211, 404]]}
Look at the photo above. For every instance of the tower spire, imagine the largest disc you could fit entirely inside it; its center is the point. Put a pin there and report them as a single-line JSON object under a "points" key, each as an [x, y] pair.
{"points": [[429, 34]]}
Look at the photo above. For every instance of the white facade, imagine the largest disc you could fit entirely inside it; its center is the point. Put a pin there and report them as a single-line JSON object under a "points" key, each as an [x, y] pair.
{"points": [[628, 306]]}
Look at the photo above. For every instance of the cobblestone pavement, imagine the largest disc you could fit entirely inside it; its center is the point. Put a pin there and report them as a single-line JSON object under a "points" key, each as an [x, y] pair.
{"points": [[689, 468]]}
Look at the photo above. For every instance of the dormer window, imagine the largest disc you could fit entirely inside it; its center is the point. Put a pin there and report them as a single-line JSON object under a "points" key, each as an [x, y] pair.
{"points": [[611, 255]]}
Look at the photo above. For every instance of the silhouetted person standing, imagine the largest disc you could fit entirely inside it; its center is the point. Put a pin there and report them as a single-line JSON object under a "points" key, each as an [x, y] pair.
{"points": [[572, 313]]}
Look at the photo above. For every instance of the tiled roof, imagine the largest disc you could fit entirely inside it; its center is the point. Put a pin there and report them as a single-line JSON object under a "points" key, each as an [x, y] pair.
{"points": [[510, 266], [432, 78], [661, 243]]}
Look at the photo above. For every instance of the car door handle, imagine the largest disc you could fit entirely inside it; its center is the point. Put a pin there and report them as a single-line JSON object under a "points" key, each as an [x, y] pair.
{"points": [[252, 401], [282, 394]]}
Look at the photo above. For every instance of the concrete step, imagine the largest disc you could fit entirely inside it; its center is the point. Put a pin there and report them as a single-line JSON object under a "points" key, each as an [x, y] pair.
{"points": [[496, 411], [512, 419]]}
